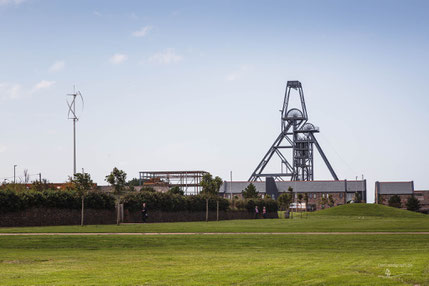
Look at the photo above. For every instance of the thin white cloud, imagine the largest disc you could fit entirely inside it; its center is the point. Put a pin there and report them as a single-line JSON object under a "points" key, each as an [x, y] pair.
{"points": [[10, 90], [43, 84], [235, 75], [11, 2], [167, 56], [142, 32], [57, 66], [118, 58], [96, 13]]}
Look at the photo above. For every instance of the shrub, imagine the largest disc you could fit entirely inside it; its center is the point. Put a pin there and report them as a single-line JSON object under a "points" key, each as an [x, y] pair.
{"points": [[413, 204], [172, 202], [395, 201], [99, 200], [176, 190], [10, 201], [15, 201]]}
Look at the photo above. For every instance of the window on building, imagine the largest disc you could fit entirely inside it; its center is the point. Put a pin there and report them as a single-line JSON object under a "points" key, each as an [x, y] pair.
{"points": [[341, 195]]}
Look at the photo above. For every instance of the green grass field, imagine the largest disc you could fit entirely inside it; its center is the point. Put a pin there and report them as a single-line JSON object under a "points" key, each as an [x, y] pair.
{"points": [[225, 259]]}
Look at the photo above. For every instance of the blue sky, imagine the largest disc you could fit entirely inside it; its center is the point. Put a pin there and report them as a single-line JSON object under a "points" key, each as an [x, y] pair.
{"points": [[181, 85]]}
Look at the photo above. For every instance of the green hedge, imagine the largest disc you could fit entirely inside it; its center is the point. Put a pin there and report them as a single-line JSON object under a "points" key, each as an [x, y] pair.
{"points": [[171, 202], [249, 205], [15, 201]]}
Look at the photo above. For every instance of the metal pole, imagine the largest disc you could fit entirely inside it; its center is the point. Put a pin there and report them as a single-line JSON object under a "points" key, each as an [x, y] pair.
{"points": [[74, 147], [40, 177], [230, 184], [14, 174]]}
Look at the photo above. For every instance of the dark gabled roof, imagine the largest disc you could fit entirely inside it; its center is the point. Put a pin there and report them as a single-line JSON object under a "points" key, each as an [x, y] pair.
{"points": [[395, 188]]}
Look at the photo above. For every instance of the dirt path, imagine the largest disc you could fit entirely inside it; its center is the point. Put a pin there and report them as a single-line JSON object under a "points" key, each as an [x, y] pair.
{"points": [[211, 233]]}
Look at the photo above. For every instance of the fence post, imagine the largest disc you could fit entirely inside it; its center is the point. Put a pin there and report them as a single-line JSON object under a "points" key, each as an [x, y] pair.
{"points": [[217, 210], [207, 209]]}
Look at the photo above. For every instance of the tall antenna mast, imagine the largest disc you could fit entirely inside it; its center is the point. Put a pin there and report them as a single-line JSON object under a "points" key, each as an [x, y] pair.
{"points": [[73, 116]]}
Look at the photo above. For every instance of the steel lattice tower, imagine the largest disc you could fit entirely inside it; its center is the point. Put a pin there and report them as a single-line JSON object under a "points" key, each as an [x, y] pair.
{"points": [[297, 136]]}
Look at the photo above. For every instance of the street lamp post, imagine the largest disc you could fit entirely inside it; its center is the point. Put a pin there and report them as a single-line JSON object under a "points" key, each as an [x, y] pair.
{"points": [[14, 173]]}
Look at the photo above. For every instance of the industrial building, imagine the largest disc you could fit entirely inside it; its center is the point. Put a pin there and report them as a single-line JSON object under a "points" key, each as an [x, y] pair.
{"points": [[385, 190], [342, 191]]}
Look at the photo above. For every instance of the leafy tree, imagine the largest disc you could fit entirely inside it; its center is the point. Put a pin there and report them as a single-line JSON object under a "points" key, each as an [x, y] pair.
{"points": [[292, 197], [306, 202], [117, 179], [211, 186], [285, 200], [42, 185], [413, 204], [331, 201], [133, 182], [380, 199], [250, 192], [300, 197], [357, 198], [324, 202], [176, 190], [395, 201], [82, 183]]}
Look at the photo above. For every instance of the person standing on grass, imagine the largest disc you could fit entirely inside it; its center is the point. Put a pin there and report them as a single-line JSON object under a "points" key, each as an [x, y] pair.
{"points": [[144, 212], [256, 211], [264, 212]]}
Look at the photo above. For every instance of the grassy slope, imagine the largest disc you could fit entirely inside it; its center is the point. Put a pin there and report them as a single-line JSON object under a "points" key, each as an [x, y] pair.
{"points": [[347, 218], [215, 260], [371, 210]]}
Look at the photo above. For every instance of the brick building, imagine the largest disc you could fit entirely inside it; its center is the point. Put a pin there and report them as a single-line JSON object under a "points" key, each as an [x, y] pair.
{"points": [[385, 190], [342, 192]]}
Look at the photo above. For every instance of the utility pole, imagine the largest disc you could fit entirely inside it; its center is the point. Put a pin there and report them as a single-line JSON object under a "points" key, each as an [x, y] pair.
{"points": [[40, 177], [14, 173]]}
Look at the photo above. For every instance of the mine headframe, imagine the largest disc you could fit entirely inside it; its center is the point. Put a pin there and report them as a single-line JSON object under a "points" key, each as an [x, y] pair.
{"points": [[297, 137]]}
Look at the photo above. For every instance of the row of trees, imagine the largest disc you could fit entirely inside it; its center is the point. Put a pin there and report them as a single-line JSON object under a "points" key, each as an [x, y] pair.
{"points": [[412, 204]]}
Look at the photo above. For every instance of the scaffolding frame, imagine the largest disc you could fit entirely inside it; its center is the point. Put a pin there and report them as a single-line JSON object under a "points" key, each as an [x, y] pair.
{"points": [[188, 181]]}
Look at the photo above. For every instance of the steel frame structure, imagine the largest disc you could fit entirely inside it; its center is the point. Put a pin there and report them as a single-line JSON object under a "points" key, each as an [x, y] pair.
{"points": [[297, 135], [189, 181]]}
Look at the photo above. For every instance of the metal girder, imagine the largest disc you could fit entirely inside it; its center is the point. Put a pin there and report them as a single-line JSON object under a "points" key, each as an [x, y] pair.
{"points": [[322, 154]]}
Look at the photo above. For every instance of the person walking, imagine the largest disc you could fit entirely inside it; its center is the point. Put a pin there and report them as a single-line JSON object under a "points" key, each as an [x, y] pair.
{"points": [[144, 212], [264, 212], [256, 212]]}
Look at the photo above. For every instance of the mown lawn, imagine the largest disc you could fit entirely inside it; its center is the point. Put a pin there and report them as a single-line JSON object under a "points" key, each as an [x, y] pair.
{"points": [[215, 260], [347, 218], [311, 224]]}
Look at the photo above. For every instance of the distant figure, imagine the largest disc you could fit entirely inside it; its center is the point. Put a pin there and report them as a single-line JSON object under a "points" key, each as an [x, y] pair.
{"points": [[256, 211], [264, 212], [144, 212]]}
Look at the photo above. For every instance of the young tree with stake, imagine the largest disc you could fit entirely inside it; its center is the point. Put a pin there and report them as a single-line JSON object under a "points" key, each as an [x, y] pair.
{"points": [[117, 179], [82, 183]]}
